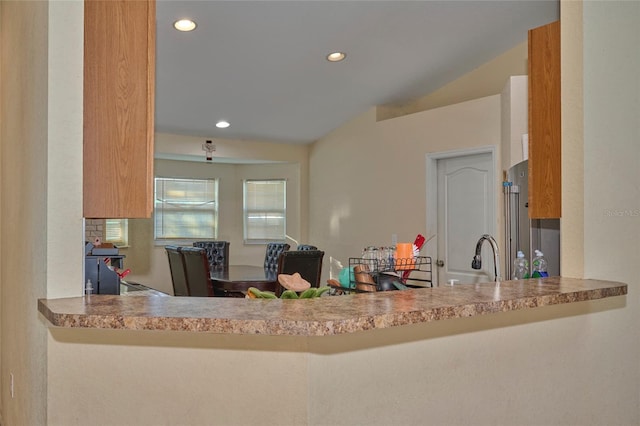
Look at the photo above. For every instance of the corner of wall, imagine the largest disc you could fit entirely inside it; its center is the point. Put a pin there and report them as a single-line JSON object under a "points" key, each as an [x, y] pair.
{"points": [[572, 222]]}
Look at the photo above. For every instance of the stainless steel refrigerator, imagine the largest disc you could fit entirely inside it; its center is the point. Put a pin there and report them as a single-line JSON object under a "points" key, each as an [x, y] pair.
{"points": [[522, 233]]}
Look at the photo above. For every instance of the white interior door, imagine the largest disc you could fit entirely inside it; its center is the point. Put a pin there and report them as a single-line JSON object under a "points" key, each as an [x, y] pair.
{"points": [[466, 191]]}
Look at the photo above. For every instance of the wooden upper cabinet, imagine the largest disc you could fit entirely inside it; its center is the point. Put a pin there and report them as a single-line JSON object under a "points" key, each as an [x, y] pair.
{"points": [[544, 122], [119, 92]]}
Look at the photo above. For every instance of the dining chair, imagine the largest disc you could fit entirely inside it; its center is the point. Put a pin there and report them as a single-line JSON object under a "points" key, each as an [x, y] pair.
{"points": [[272, 253], [308, 263], [196, 266], [178, 274], [217, 253], [302, 247]]}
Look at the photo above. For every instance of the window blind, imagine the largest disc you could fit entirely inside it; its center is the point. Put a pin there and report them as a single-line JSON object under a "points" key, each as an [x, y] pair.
{"points": [[116, 231], [186, 208], [264, 210]]}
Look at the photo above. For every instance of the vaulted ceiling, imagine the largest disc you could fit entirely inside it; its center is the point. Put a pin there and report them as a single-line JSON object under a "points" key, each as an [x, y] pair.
{"points": [[262, 65]]}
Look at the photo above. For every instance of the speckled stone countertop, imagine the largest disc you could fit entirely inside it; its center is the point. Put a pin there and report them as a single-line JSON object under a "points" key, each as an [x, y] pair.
{"points": [[321, 316]]}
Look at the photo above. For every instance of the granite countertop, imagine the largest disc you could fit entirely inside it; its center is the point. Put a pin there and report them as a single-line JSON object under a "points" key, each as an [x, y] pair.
{"points": [[320, 316]]}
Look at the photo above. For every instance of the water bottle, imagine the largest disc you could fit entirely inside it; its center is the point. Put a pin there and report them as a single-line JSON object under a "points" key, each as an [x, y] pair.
{"points": [[539, 266], [520, 267]]}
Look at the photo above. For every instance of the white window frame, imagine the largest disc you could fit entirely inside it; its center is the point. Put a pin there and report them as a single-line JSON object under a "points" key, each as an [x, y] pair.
{"points": [[164, 232], [116, 232], [273, 212]]}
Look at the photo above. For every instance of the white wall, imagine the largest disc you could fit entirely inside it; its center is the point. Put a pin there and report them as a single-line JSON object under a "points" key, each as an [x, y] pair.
{"points": [[234, 161], [488, 79], [368, 178], [514, 119], [170, 146], [574, 364], [41, 197], [148, 261], [24, 218], [117, 377], [572, 224], [612, 139], [544, 366], [612, 184]]}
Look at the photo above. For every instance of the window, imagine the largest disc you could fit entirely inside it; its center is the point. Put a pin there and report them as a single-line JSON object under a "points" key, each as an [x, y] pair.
{"points": [[116, 232], [186, 209], [264, 211]]}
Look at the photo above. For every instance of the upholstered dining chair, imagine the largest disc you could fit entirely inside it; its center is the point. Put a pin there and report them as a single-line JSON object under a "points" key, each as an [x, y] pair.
{"points": [[271, 256], [302, 247], [178, 274], [217, 253], [196, 266], [308, 263]]}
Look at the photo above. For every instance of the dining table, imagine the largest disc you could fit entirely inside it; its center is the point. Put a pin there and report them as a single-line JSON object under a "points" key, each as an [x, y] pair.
{"points": [[235, 280]]}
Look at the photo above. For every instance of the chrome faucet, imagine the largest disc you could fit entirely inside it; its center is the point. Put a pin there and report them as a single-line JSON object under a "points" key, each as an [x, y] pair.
{"points": [[477, 259]]}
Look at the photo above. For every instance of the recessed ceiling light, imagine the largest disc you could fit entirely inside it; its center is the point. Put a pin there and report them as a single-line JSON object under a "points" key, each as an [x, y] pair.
{"points": [[222, 124], [184, 25], [336, 56]]}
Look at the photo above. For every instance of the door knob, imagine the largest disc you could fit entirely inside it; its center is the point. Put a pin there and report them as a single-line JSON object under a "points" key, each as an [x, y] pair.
{"points": [[440, 263]]}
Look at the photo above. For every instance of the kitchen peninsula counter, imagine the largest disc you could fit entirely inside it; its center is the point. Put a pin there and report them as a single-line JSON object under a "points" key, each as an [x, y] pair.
{"points": [[331, 315]]}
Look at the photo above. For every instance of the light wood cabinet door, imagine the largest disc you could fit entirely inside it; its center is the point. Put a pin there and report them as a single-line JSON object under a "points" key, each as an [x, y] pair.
{"points": [[119, 91], [545, 189]]}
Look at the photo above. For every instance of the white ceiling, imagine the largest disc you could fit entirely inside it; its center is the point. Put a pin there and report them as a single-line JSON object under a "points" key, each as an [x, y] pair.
{"points": [[261, 64]]}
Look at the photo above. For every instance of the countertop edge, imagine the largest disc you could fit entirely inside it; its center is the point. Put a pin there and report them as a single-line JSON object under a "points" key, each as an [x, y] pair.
{"points": [[323, 316]]}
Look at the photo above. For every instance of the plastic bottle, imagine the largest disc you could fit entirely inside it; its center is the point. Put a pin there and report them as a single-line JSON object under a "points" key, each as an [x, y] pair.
{"points": [[520, 267], [539, 266]]}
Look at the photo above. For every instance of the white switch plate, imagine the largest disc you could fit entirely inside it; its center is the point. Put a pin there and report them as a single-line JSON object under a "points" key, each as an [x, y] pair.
{"points": [[11, 385]]}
